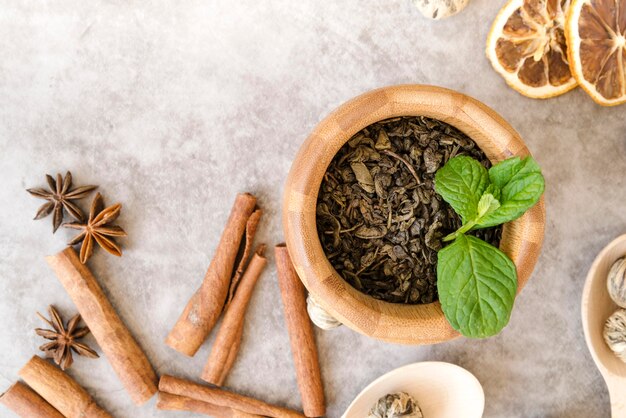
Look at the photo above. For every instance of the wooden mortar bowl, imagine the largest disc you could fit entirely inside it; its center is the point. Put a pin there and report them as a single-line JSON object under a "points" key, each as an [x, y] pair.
{"points": [[398, 323]]}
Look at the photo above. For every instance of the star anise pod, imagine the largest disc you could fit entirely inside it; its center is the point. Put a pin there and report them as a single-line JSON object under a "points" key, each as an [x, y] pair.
{"points": [[97, 229], [64, 339], [59, 197]]}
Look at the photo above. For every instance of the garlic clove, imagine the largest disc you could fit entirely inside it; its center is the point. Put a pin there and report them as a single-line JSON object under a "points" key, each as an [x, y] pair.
{"points": [[319, 316], [615, 333], [440, 9], [616, 282]]}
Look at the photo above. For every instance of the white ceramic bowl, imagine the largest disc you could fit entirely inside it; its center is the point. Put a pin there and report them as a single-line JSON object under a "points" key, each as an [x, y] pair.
{"points": [[442, 390]]}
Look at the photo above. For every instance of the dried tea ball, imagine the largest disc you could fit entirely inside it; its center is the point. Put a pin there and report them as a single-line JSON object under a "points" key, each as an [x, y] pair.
{"points": [[396, 405], [319, 316], [615, 333], [616, 282], [440, 9]]}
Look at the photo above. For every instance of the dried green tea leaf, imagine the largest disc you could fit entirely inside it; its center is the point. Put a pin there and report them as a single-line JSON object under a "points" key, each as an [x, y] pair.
{"points": [[371, 232], [383, 141], [363, 176]]}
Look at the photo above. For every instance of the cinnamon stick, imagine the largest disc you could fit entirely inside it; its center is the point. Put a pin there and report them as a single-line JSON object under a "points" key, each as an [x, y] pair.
{"points": [[232, 355], [301, 335], [251, 227], [60, 390], [206, 305], [26, 403], [228, 338], [126, 357], [221, 397], [169, 402]]}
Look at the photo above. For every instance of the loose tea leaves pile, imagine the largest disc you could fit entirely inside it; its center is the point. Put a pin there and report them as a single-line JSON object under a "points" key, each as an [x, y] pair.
{"points": [[379, 218]]}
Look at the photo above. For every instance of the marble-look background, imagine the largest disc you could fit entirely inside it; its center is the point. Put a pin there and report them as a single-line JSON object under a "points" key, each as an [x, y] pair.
{"points": [[173, 107]]}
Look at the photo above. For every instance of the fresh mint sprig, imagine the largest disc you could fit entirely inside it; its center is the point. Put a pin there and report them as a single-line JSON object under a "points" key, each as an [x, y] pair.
{"points": [[476, 281]]}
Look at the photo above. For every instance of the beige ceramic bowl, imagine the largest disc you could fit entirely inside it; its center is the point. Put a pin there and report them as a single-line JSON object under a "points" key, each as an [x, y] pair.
{"points": [[596, 308], [407, 324], [442, 390]]}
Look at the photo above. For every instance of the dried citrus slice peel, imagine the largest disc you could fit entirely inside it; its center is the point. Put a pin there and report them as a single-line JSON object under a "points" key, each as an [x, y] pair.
{"points": [[596, 34], [527, 47]]}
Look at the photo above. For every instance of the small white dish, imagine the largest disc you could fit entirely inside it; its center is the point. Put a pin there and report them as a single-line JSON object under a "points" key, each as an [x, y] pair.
{"points": [[442, 390], [596, 307]]}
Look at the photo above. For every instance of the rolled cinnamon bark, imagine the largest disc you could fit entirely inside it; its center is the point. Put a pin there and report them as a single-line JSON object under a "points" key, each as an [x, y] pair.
{"points": [[169, 402], [217, 396], [228, 338], [301, 335], [126, 357], [251, 227], [232, 355], [26, 403], [60, 390], [206, 305]]}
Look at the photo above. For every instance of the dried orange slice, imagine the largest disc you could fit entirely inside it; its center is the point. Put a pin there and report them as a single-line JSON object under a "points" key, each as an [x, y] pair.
{"points": [[596, 34], [527, 47]]}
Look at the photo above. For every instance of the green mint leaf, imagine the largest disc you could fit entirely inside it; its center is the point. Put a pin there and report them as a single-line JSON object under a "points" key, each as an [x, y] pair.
{"points": [[521, 185], [476, 284], [461, 183], [501, 173], [495, 191], [487, 205]]}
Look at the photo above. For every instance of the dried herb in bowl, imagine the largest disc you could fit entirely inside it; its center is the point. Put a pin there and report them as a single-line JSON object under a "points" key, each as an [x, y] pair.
{"points": [[379, 218]]}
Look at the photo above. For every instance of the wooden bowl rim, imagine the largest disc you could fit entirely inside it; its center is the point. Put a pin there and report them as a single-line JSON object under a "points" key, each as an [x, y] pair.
{"points": [[406, 324]]}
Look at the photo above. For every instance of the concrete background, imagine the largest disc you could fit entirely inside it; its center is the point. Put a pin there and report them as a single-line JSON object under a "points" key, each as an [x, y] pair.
{"points": [[174, 107]]}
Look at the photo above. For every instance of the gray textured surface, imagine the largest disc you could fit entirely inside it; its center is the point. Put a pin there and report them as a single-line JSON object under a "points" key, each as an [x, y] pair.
{"points": [[173, 107]]}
